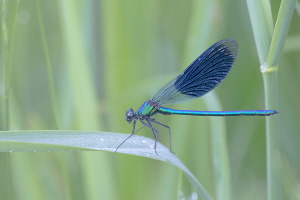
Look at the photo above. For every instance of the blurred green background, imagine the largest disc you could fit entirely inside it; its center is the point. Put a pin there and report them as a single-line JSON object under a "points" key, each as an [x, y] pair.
{"points": [[79, 65]]}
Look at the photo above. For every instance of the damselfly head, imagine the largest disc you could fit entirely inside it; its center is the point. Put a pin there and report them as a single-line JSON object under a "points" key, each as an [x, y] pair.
{"points": [[129, 115]]}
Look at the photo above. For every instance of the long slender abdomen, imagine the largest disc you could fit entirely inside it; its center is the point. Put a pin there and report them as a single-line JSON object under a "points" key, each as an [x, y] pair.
{"points": [[169, 111]]}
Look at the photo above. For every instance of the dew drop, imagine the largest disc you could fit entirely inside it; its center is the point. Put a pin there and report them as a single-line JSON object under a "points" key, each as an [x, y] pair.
{"points": [[193, 196], [181, 196]]}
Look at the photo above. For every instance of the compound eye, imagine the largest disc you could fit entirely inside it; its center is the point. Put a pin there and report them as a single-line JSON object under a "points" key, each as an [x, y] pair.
{"points": [[129, 115]]}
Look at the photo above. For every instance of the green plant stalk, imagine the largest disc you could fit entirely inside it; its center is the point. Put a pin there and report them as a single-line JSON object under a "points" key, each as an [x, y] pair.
{"points": [[269, 59], [261, 16], [272, 146], [262, 25], [5, 77], [48, 66], [270, 84], [198, 34], [8, 41], [82, 88], [4, 49], [283, 22], [220, 156], [298, 7]]}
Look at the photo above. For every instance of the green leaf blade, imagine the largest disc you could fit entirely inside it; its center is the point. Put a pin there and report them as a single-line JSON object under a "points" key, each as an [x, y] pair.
{"points": [[40, 141]]}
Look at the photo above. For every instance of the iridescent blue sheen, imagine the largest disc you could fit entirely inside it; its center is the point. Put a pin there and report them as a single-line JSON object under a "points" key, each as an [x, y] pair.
{"points": [[199, 78], [170, 111]]}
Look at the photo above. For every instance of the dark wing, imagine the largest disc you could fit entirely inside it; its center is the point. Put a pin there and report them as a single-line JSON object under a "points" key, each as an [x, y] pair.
{"points": [[203, 75]]}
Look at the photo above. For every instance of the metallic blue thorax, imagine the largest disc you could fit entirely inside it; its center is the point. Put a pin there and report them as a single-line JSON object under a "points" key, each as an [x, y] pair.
{"points": [[148, 108]]}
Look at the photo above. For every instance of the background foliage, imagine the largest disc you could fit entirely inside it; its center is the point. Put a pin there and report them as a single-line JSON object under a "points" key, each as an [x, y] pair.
{"points": [[78, 65]]}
